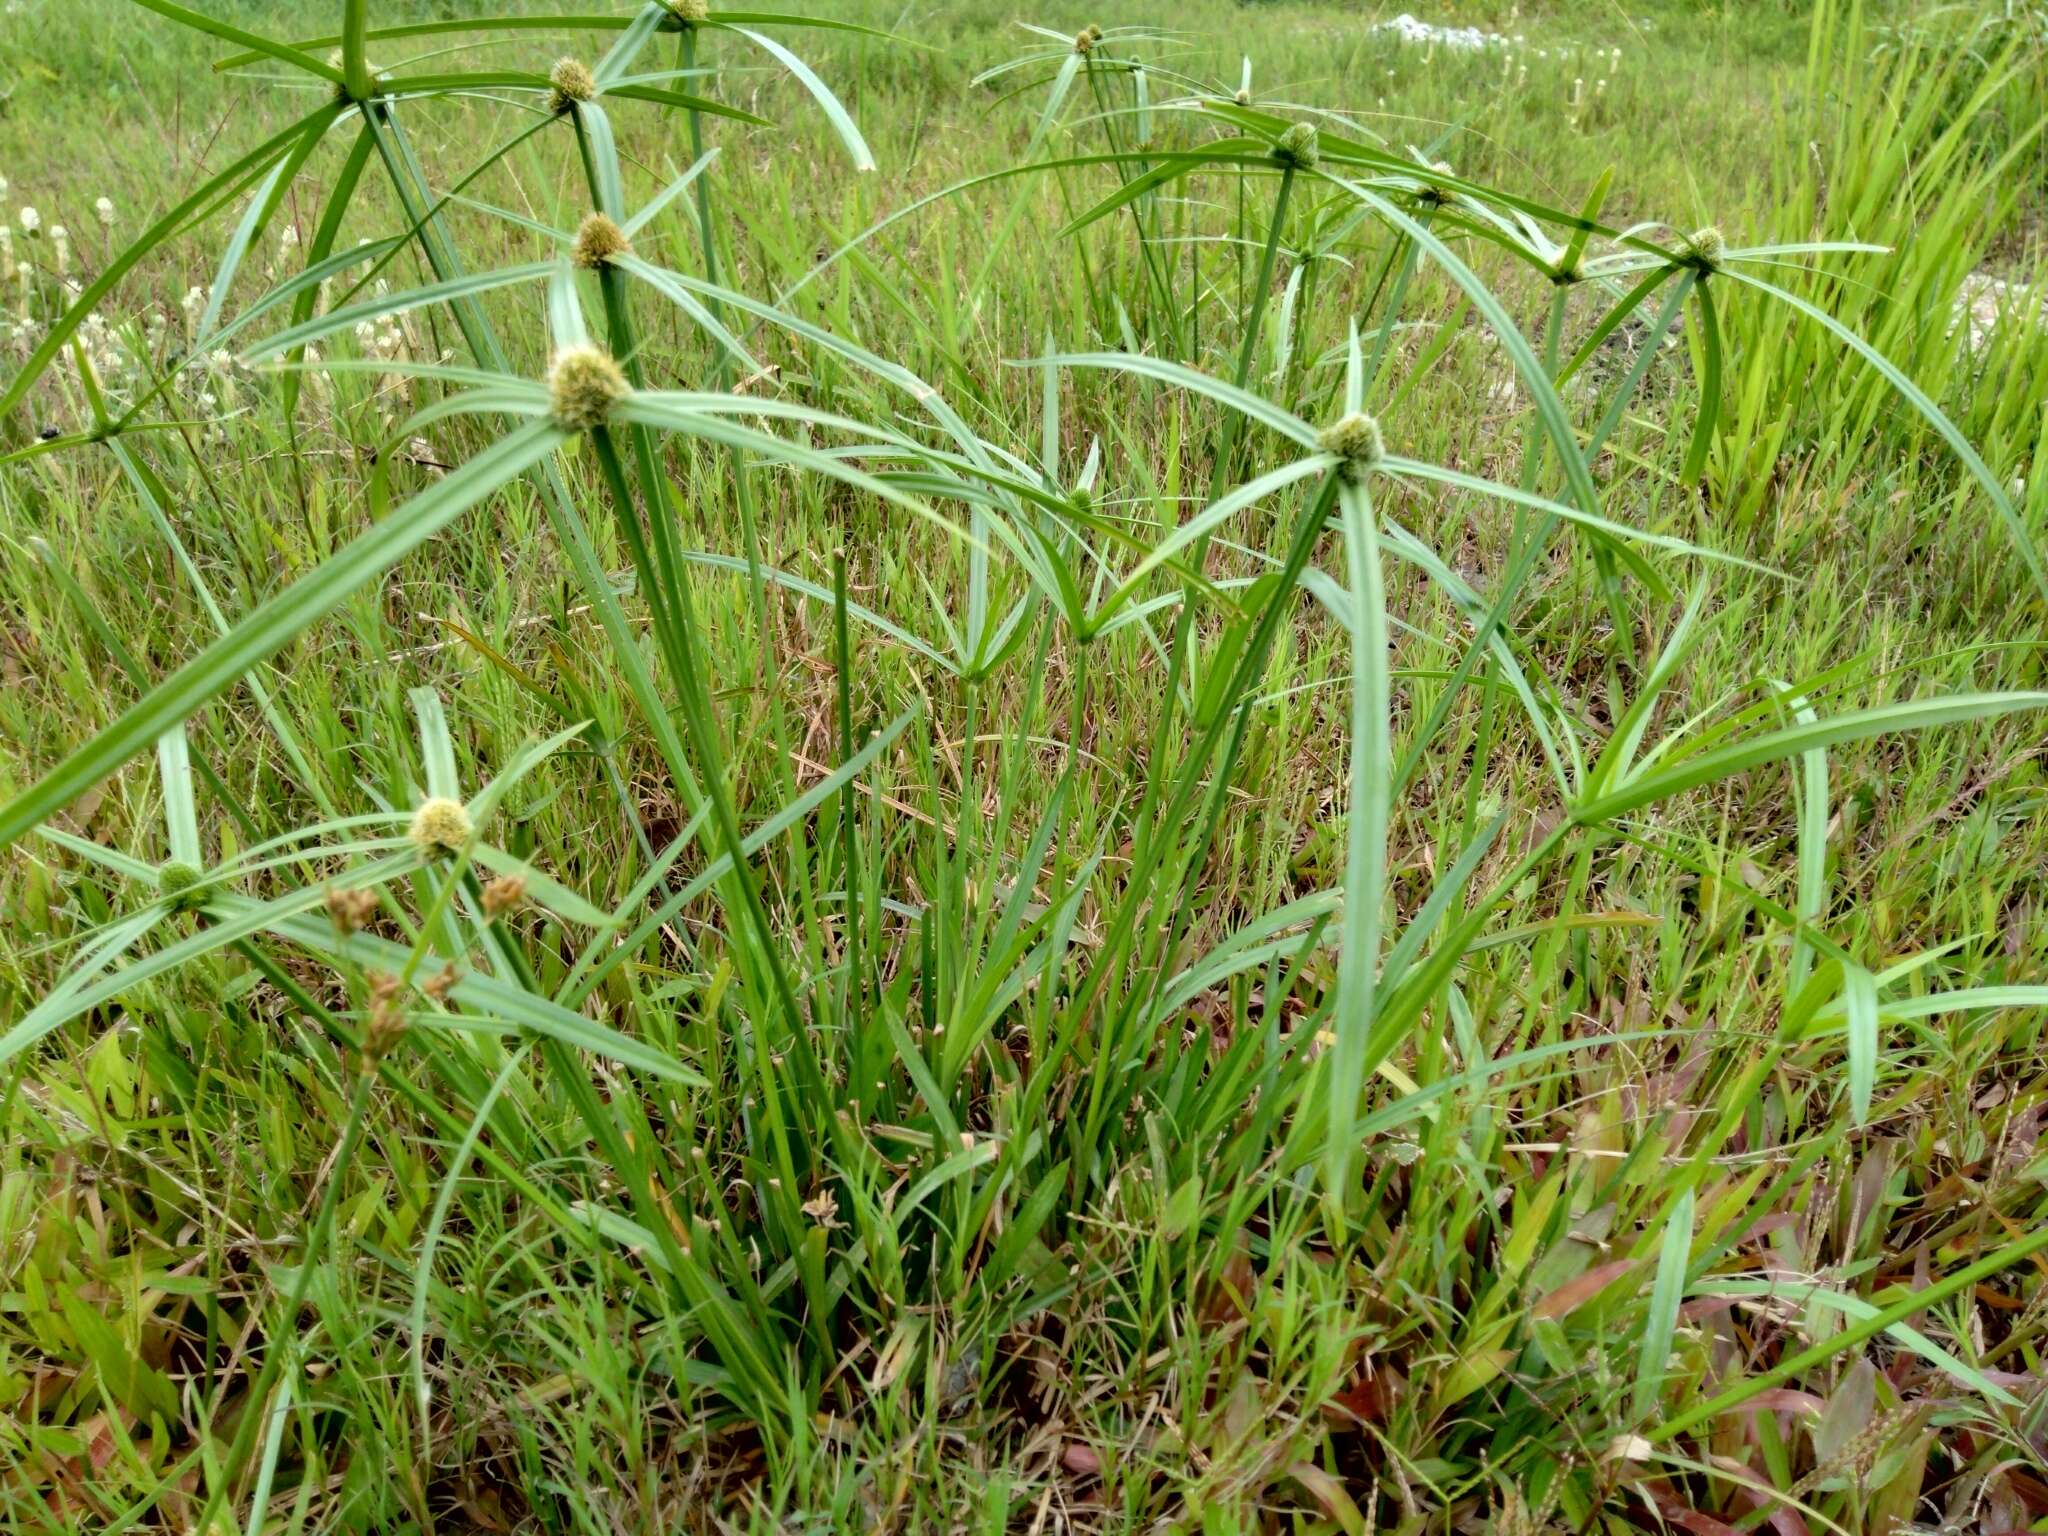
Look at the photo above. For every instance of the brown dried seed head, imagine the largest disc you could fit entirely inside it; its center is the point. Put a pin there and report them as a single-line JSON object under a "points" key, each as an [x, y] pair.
{"points": [[351, 910], [503, 895]]}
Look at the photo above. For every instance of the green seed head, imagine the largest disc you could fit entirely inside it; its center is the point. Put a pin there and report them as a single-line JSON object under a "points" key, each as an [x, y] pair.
{"points": [[178, 882], [687, 13], [1243, 97], [1084, 41], [569, 82], [341, 92], [598, 241], [1297, 148], [440, 826], [1356, 440], [583, 386], [1708, 246]]}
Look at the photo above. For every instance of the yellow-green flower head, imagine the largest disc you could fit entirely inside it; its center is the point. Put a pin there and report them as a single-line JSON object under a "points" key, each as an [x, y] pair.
{"points": [[1356, 440], [584, 385], [569, 82], [1084, 41], [1297, 147], [598, 241], [178, 883], [339, 61], [689, 13], [441, 826], [1707, 247]]}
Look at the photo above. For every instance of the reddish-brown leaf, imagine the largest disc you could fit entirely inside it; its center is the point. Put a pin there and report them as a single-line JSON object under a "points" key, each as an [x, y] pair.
{"points": [[1577, 1292]]}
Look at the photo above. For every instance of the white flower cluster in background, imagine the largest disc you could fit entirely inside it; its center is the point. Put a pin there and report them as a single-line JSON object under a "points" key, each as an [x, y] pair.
{"points": [[1458, 39], [44, 267]]}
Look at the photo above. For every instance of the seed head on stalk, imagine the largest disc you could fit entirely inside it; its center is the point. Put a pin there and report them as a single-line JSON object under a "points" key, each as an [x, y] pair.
{"points": [[598, 242], [569, 82], [1706, 248], [1297, 148], [178, 883], [441, 826], [584, 385], [1356, 440]]}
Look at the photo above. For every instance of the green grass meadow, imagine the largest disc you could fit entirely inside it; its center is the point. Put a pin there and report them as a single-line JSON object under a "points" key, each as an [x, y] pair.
{"points": [[928, 767]]}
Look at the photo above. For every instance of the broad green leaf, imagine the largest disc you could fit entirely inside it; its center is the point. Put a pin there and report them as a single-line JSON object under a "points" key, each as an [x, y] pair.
{"points": [[1660, 1322]]}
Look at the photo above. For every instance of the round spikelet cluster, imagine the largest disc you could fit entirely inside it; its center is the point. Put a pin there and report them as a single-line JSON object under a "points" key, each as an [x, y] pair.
{"points": [[1297, 147], [1431, 194], [1243, 97], [178, 882], [1707, 246], [1356, 440], [687, 13], [440, 826], [584, 385], [341, 91], [598, 242], [569, 82], [1086, 39]]}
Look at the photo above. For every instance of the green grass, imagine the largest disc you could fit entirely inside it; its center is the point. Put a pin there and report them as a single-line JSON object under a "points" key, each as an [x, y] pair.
{"points": [[892, 1048]]}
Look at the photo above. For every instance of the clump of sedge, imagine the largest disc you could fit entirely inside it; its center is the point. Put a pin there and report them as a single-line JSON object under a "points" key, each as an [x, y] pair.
{"points": [[583, 387], [1356, 441], [569, 82], [598, 242], [441, 826]]}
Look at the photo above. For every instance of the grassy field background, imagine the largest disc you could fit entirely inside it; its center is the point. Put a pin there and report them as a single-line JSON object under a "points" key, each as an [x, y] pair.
{"points": [[1078, 1271]]}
